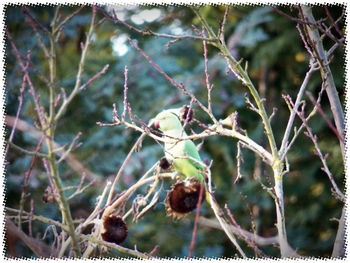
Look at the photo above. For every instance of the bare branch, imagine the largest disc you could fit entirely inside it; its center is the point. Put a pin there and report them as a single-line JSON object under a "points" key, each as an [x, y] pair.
{"points": [[324, 116], [194, 233], [97, 75], [148, 32], [283, 148], [318, 152], [125, 101]]}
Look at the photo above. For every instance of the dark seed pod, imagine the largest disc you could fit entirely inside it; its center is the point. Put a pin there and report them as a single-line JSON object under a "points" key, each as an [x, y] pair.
{"points": [[115, 229], [186, 114], [164, 163], [48, 196], [183, 197]]}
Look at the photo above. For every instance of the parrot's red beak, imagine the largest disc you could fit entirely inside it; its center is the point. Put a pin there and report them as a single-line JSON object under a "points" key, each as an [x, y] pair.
{"points": [[156, 124]]}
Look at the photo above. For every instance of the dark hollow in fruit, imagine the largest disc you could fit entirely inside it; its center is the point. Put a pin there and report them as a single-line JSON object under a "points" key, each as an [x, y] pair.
{"points": [[183, 197], [115, 228], [164, 163]]}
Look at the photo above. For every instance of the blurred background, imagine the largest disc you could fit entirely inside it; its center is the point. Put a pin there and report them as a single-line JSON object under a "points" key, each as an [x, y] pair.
{"points": [[277, 63]]}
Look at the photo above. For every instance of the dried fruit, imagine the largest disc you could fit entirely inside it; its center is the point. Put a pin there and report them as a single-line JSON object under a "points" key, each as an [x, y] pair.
{"points": [[183, 197], [164, 163], [185, 114], [49, 195], [115, 229]]}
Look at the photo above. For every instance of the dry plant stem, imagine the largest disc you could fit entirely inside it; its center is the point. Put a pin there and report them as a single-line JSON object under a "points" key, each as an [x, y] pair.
{"points": [[84, 237], [256, 239], [311, 114], [194, 233], [236, 67], [149, 193], [223, 224], [77, 85], [325, 31], [125, 195], [19, 109], [100, 242], [180, 87], [148, 32], [68, 18], [337, 111], [319, 153], [71, 161], [212, 131], [23, 195], [32, 91], [334, 23], [39, 248], [326, 73], [53, 165], [249, 242], [324, 116], [339, 243], [43, 219], [283, 148], [121, 169], [93, 215], [130, 190], [31, 153], [209, 87]]}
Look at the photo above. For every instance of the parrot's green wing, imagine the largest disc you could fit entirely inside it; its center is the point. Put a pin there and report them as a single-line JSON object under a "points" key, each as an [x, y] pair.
{"points": [[191, 150], [186, 166], [176, 151]]}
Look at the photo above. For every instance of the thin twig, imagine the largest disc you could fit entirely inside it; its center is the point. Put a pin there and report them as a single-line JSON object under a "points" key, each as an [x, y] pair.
{"points": [[76, 88], [293, 113], [249, 241], [209, 87], [26, 179], [125, 100], [121, 169], [324, 116], [19, 108], [71, 147], [318, 152], [148, 32], [174, 83], [38, 108], [96, 76], [215, 208], [34, 23], [31, 218], [68, 18], [222, 24], [194, 233], [326, 73], [111, 207]]}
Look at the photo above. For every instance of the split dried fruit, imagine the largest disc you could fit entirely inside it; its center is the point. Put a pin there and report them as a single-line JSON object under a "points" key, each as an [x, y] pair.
{"points": [[183, 197]]}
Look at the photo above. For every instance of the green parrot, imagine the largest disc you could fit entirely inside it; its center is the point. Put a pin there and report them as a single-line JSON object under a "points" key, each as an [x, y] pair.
{"points": [[169, 123]]}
